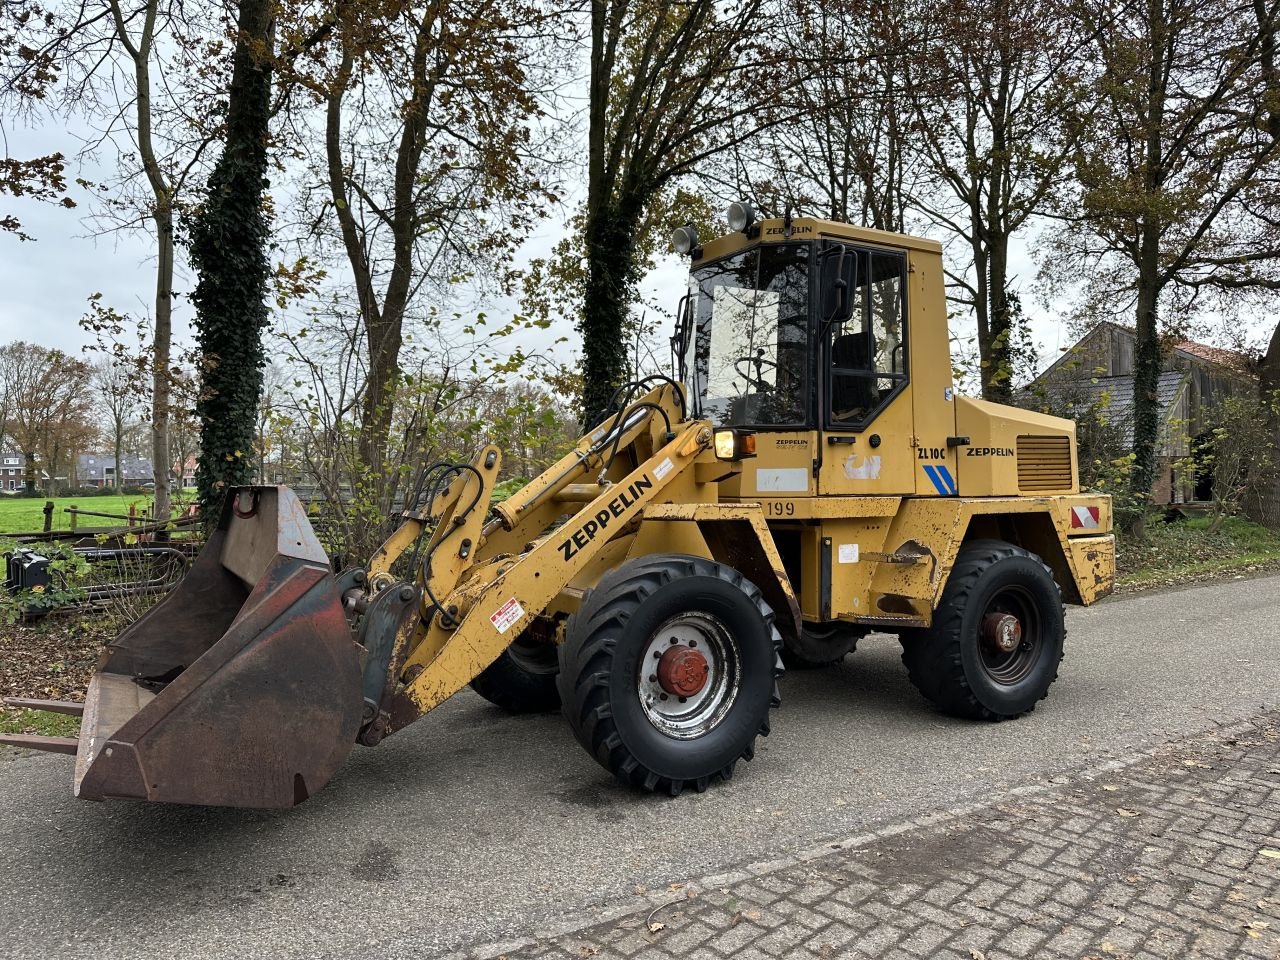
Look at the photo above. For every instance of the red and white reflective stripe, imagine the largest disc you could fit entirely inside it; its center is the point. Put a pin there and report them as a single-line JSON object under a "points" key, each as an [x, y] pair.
{"points": [[1086, 517]]}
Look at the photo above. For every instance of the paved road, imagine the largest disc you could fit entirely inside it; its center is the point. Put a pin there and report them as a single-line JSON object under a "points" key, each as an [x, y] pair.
{"points": [[471, 826], [1170, 857]]}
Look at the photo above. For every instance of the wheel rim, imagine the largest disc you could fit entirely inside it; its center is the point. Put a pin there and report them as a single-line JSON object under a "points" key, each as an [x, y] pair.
{"points": [[689, 674], [1010, 638]]}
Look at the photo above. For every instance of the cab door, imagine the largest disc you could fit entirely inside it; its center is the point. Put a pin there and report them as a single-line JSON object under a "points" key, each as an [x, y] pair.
{"points": [[866, 440]]}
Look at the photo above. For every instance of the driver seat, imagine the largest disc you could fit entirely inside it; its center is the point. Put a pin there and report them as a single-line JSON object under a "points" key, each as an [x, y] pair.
{"points": [[852, 396]]}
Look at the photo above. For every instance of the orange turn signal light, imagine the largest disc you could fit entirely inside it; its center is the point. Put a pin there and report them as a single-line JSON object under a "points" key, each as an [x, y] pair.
{"points": [[733, 444]]}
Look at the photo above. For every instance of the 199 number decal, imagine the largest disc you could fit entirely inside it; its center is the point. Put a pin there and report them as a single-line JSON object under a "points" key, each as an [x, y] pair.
{"points": [[776, 508]]}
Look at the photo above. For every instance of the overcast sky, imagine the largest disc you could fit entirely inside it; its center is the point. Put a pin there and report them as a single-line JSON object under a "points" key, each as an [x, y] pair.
{"points": [[45, 283]]}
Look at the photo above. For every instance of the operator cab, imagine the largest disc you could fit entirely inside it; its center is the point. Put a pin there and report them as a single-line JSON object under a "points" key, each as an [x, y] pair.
{"points": [[827, 342], [799, 334]]}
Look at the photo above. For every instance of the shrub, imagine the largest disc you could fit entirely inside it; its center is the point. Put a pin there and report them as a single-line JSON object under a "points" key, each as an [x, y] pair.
{"points": [[86, 492]]}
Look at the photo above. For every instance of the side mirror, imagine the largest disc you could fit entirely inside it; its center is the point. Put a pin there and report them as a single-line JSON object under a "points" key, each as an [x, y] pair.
{"points": [[835, 291]]}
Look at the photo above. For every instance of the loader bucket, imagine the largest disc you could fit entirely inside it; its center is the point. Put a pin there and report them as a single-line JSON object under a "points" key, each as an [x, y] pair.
{"points": [[240, 688]]}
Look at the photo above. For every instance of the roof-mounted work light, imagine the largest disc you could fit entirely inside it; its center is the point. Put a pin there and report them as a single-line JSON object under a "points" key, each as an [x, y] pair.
{"points": [[741, 216], [684, 239]]}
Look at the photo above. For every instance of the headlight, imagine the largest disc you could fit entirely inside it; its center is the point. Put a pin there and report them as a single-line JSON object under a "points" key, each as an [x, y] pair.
{"points": [[740, 215], [684, 239], [734, 444]]}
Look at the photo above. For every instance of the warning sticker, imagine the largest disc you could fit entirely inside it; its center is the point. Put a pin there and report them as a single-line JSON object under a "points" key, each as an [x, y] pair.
{"points": [[662, 469], [848, 553], [507, 614]]}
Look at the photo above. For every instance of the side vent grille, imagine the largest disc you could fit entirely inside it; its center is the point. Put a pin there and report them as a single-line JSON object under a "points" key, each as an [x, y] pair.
{"points": [[1044, 463]]}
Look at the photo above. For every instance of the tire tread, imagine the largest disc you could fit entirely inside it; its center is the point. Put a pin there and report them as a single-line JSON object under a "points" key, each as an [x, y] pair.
{"points": [[933, 656], [586, 659]]}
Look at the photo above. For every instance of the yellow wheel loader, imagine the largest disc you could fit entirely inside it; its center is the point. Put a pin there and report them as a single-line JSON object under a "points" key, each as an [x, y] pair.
{"points": [[807, 475]]}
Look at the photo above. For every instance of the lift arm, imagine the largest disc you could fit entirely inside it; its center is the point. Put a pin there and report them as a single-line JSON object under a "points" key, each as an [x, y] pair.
{"points": [[477, 588]]}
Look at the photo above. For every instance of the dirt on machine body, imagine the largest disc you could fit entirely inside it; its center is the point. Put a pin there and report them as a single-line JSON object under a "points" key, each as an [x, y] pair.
{"points": [[806, 476]]}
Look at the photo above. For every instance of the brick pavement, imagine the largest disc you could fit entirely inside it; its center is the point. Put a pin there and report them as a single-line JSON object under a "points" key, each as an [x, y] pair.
{"points": [[1161, 857]]}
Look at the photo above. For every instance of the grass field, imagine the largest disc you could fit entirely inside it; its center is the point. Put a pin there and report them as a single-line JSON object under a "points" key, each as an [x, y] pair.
{"points": [[25, 515]]}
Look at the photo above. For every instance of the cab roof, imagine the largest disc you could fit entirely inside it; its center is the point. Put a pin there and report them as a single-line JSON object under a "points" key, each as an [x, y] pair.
{"points": [[810, 228]]}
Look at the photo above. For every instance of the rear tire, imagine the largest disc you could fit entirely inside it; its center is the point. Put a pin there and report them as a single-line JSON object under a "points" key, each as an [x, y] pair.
{"points": [[820, 646], [522, 679], [977, 662], [710, 633]]}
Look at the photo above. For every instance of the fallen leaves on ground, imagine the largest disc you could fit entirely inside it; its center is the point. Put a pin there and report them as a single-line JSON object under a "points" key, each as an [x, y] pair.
{"points": [[53, 658], [1126, 812]]}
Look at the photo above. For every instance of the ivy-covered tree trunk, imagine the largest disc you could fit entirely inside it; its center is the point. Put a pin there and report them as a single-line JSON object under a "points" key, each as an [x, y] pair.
{"points": [[228, 251], [612, 274], [997, 380], [1146, 379], [1146, 361], [991, 228], [1269, 389]]}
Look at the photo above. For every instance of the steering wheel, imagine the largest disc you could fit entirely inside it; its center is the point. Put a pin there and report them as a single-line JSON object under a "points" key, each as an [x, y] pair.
{"points": [[759, 361]]}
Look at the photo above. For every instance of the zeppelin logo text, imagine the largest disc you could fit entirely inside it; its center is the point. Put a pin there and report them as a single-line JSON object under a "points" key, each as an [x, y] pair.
{"points": [[600, 522]]}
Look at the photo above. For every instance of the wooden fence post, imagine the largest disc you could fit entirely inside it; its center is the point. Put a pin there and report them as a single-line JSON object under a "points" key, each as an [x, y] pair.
{"points": [[48, 515]]}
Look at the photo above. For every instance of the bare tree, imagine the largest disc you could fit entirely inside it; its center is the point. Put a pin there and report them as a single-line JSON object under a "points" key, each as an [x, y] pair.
{"points": [[115, 386], [427, 161], [846, 149], [49, 397], [1176, 166], [140, 71], [140, 47], [991, 86]]}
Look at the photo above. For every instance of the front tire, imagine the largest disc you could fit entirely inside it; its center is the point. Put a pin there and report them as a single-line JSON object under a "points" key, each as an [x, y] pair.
{"points": [[997, 636], [669, 670]]}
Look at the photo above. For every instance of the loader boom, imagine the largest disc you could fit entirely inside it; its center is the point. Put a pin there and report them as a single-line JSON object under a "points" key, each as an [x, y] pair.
{"points": [[485, 603]]}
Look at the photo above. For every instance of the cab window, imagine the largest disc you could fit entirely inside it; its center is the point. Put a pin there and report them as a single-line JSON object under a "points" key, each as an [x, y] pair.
{"points": [[866, 354], [751, 342]]}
